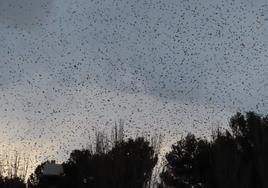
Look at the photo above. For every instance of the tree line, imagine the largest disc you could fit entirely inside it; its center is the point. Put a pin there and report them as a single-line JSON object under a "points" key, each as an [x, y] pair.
{"points": [[236, 157]]}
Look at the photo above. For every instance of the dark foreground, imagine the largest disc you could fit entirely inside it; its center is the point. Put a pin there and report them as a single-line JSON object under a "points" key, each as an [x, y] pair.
{"points": [[233, 158]]}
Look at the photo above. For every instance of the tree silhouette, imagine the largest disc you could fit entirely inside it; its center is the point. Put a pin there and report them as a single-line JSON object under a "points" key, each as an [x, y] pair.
{"points": [[226, 161], [187, 164], [16, 182], [235, 159], [35, 178], [128, 164], [133, 162], [251, 136], [13, 170]]}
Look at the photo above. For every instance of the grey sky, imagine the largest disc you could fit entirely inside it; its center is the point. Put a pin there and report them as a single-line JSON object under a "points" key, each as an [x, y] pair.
{"points": [[175, 66]]}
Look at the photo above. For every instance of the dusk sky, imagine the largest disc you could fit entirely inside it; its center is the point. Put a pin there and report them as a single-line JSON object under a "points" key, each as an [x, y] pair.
{"points": [[71, 67]]}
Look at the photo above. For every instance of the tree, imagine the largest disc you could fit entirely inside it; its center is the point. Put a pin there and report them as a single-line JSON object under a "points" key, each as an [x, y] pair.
{"points": [[134, 161], [235, 159], [13, 170], [128, 164], [251, 136], [187, 164], [15, 182], [226, 162], [35, 178]]}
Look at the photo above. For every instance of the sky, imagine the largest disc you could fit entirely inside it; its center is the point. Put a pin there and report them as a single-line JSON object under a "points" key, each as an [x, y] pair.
{"points": [[71, 67]]}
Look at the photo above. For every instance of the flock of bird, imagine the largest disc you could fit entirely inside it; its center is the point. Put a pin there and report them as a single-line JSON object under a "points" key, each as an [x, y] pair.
{"points": [[71, 68]]}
